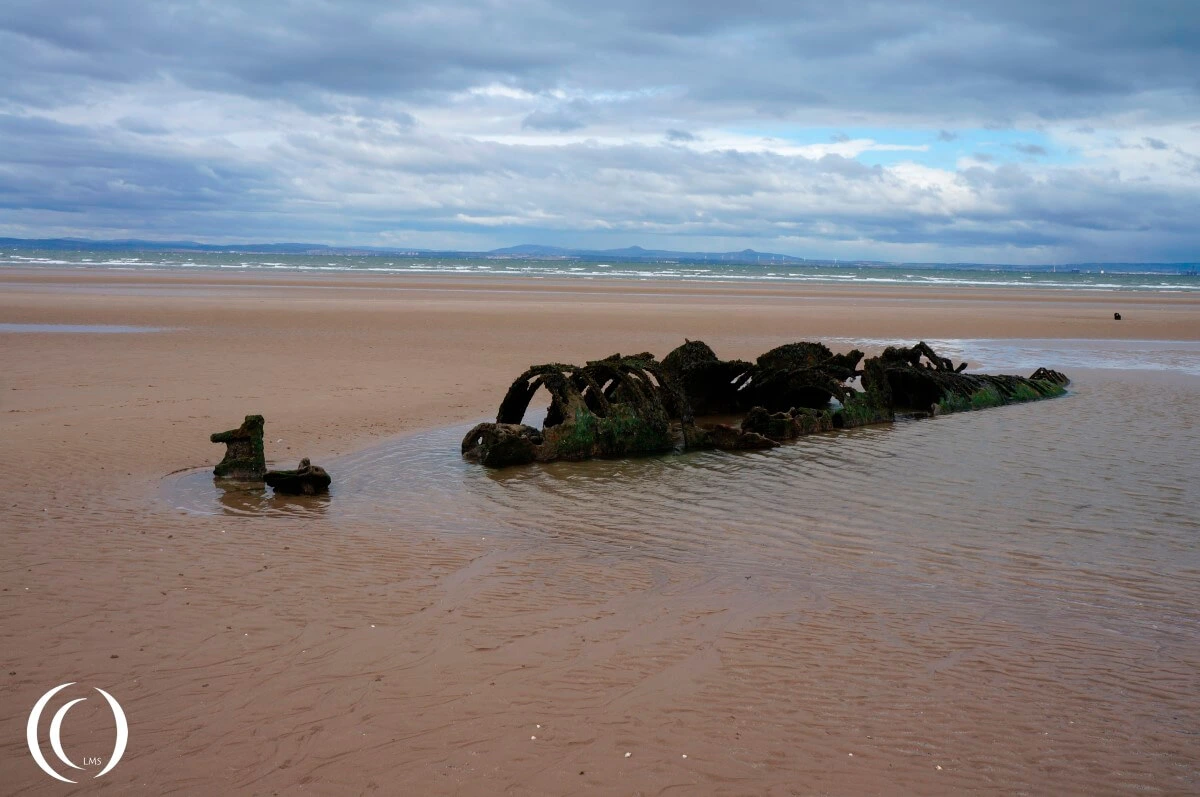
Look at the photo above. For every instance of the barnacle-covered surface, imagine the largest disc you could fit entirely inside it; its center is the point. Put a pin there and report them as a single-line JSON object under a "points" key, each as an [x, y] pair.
{"points": [[917, 378], [611, 407], [793, 375], [712, 386], [244, 458], [307, 479], [622, 406]]}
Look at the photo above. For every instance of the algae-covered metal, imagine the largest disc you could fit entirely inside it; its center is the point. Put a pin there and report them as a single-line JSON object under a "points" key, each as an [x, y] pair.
{"points": [[611, 407], [917, 378], [623, 406], [306, 479], [244, 458]]}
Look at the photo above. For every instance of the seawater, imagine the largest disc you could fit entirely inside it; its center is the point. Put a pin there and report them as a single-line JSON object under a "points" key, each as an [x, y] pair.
{"points": [[1012, 593], [77, 329], [983, 276]]}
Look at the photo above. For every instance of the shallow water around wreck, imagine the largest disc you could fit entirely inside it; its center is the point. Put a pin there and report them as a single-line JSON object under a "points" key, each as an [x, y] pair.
{"points": [[1094, 490], [1020, 586]]}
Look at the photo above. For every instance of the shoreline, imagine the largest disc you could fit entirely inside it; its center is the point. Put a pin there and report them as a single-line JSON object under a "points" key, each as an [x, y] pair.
{"points": [[609, 290], [436, 615], [555, 283], [865, 275], [340, 361]]}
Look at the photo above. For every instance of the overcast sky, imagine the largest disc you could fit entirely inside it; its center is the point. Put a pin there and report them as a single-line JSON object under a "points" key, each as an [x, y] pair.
{"points": [[1016, 131]]}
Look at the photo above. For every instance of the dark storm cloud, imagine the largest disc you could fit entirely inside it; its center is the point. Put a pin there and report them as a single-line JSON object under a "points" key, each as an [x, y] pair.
{"points": [[995, 59], [361, 49]]}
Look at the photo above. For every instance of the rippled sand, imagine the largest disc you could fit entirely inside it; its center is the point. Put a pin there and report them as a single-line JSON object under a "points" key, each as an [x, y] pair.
{"points": [[1002, 601]]}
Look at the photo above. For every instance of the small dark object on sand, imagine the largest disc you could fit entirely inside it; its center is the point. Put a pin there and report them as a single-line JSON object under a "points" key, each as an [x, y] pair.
{"points": [[1116, 316], [308, 479], [244, 459]]}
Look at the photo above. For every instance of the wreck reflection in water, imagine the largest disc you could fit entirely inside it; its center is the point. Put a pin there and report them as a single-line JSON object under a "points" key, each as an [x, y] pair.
{"points": [[250, 498]]}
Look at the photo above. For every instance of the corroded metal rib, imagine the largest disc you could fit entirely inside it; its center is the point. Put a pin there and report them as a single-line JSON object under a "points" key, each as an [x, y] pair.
{"points": [[622, 406]]}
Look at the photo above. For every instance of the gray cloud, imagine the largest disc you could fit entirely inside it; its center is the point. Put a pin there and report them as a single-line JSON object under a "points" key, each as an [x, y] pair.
{"points": [[71, 169], [561, 120], [136, 124], [565, 117], [1030, 149], [933, 57], [467, 118]]}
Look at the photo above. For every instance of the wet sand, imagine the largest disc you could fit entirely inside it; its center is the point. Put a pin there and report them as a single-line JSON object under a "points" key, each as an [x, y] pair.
{"points": [[416, 642]]}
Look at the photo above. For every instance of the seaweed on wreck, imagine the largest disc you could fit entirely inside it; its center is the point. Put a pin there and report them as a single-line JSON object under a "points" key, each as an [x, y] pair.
{"points": [[244, 459], [919, 379], [623, 406], [793, 375], [611, 407], [711, 385]]}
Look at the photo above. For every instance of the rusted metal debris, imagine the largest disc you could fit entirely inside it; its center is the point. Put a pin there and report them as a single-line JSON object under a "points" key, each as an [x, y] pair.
{"points": [[307, 479], [622, 406], [793, 375], [610, 407], [917, 379], [244, 459]]}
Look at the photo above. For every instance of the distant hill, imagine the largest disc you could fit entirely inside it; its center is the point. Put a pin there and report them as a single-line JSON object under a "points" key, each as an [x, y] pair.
{"points": [[638, 253], [629, 254]]}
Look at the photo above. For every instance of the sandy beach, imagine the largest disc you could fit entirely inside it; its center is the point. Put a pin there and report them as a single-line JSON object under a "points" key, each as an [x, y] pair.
{"points": [[324, 655], [342, 361]]}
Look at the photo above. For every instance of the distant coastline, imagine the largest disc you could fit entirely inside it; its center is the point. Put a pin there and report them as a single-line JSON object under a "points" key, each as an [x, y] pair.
{"points": [[533, 252]]}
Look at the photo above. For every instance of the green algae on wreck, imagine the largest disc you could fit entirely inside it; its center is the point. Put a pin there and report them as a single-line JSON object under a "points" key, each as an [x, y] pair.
{"points": [[989, 396], [617, 406], [244, 458], [626, 406]]}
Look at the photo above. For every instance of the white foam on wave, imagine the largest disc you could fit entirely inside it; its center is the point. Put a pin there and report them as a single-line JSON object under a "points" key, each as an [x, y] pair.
{"points": [[673, 272]]}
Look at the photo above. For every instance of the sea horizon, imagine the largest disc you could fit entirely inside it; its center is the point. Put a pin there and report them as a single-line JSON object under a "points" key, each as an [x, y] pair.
{"points": [[1098, 278]]}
